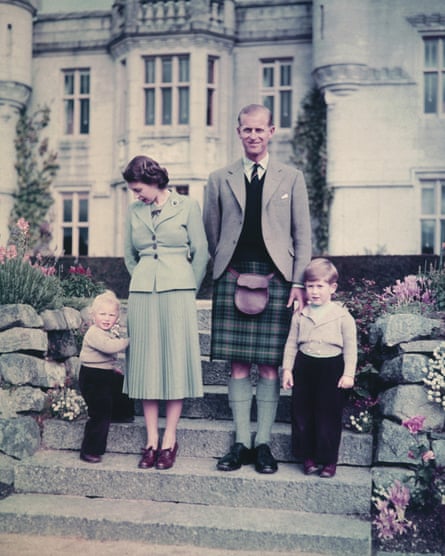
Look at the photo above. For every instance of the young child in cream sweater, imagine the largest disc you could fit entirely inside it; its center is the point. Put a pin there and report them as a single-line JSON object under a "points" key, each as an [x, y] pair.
{"points": [[100, 379]]}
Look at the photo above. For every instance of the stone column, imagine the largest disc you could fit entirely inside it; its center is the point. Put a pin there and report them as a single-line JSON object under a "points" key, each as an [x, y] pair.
{"points": [[15, 89]]}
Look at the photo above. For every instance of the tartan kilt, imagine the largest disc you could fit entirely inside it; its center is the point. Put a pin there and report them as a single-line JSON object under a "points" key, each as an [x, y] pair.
{"points": [[256, 339]]}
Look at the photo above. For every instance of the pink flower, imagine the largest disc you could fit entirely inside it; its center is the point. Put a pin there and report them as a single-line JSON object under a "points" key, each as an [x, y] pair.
{"points": [[11, 252], [428, 456], [399, 495], [415, 424], [23, 225]]}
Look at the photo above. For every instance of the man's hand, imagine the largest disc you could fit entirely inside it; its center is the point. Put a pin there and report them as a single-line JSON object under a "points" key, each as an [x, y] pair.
{"points": [[296, 295]]}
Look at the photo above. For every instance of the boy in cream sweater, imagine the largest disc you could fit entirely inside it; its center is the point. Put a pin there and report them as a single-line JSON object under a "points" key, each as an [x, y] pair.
{"points": [[320, 358]]}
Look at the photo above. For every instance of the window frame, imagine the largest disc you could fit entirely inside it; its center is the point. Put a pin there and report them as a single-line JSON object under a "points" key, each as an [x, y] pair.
{"points": [[278, 92], [437, 215], [438, 71], [211, 90], [76, 224], [76, 121], [166, 90]]}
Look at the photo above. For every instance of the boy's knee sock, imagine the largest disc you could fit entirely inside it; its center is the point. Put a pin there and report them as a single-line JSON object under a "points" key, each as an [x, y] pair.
{"points": [[240, 401], [267, 396]]}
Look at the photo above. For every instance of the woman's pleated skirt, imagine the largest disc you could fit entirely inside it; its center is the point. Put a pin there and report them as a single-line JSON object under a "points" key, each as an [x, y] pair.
{"points": [[163, 358]]}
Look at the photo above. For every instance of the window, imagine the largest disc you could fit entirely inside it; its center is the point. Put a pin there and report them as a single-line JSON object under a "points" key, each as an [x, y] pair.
{"points": [[167, 90], [76, 101], [276, 90], [75, 209], [434, 75], [432, 218], [211, 91]]}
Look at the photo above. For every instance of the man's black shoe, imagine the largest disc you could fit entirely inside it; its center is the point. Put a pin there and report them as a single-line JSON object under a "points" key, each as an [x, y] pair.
{"points": [[239, 455], [264, 460]]}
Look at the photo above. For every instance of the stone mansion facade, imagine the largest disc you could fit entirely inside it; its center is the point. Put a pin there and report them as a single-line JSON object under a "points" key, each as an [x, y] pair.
{"points": [[167, 78]]}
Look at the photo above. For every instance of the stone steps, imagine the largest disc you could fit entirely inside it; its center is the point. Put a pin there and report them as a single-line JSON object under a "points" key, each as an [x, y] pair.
{"points": [[192, 503], [184, 524], [197, 438]]}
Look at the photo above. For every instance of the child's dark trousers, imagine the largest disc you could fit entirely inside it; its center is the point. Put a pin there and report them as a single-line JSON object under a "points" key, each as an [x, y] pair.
{"points": [[317, 408], [102, 392]]}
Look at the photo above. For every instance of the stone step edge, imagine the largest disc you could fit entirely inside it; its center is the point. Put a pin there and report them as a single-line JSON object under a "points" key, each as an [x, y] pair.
{"points": [[171, 523], [195, 480], [201, 437]]}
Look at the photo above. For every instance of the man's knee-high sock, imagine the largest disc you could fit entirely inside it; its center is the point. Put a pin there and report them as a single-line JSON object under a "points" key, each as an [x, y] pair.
{"points": [[267, 396], [240, 401]]}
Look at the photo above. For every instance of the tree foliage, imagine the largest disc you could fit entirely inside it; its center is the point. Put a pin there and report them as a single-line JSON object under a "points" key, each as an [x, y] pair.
{"points": [[36, 167], [309, 154]]}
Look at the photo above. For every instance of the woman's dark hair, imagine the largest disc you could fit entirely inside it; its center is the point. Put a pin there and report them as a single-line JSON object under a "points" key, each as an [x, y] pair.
{"points": [[145, 170]]}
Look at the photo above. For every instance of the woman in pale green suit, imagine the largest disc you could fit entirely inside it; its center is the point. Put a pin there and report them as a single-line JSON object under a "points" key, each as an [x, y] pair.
{"points": [[166, 256]]}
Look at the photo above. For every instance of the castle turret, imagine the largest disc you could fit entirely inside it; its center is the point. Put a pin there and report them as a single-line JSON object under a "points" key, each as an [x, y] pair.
{"points": [[340, 44], [16, 17]]}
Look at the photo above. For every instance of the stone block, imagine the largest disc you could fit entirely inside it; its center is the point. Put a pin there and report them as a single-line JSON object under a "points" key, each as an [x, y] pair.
{"points": [[438, 447], [204, 343], [419, 346], [66, 318], [404, 327], [405, 401], [27, 398], [19, 315], [23, 339], [394, 443], [405, 368], [384, 477], [18, 369], [61, 344], [6, 469], [20, 437], [72, 367]]}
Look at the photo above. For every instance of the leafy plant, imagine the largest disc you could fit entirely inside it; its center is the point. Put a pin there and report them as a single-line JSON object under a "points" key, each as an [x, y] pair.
{"points": [[36, 168], [21, 280], [414, 293], [365, 304], [429, 479], [391, 504], [67, 404], [309, 154], [79, 283]]}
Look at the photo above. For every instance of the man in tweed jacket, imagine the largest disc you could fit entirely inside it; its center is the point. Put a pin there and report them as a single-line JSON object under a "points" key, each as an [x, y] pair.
{"points": [[256, 217]]}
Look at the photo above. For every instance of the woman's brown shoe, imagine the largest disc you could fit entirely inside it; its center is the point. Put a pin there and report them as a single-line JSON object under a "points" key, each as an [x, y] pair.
{"points": [[167, 457], [148, 459]]}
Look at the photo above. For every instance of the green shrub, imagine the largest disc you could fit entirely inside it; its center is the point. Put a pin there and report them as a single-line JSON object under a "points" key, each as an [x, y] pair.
{"points": [[79, 283], [22, 281]]}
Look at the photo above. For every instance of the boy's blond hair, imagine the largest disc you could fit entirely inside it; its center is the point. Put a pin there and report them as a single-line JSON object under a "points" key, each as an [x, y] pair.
{"points": [[107, 296], [320, 269]]}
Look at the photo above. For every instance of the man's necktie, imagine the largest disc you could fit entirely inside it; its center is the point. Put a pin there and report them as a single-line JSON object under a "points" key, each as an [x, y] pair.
{"points": [[254, 174]]}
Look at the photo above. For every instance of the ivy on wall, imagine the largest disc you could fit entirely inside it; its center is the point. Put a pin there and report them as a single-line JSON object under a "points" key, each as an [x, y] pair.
{"points": [[309, 155], [36, 168]]}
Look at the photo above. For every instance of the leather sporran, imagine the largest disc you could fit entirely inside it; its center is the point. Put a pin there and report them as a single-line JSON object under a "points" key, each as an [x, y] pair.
{"points": [[251, 292]]}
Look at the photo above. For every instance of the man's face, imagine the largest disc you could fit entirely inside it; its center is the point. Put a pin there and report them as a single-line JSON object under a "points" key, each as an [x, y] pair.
{"points": [[255, 134]]}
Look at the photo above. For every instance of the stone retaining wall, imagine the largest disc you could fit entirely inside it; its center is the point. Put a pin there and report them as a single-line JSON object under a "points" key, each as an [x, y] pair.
{"points": [[37, 352], [405, 343]]}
